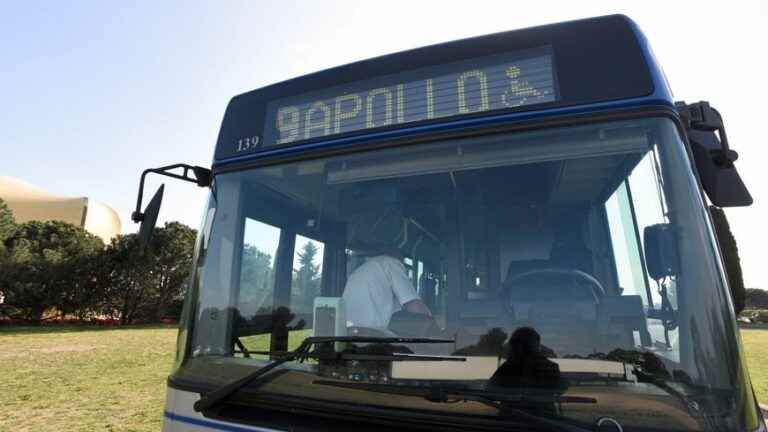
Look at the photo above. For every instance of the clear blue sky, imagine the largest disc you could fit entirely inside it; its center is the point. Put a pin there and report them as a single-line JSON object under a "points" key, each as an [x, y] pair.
{"points": [[94, 92]]}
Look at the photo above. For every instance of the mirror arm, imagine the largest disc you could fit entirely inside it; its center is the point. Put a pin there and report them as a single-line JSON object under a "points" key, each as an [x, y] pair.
{"points": [[701, 116], [202, 177]]}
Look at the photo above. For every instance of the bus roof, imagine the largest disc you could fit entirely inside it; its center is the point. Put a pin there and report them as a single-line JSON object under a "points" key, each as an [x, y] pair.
{"points": [[565, 68]]}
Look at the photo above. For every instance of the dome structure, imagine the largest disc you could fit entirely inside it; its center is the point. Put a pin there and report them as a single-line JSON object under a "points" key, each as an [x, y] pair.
{"points": [[29, 202]]}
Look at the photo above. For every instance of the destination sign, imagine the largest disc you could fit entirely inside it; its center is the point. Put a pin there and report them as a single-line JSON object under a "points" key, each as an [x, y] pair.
{"points": [[478, 85]]}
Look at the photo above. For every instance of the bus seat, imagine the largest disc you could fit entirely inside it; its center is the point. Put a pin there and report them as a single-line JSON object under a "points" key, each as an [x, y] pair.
{"points": [[570, 246], [621, 320], [562, 310], [571, 252]]}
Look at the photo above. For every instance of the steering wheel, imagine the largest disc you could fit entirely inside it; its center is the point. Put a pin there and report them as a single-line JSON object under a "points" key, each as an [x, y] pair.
{"points": [[555, 280]]}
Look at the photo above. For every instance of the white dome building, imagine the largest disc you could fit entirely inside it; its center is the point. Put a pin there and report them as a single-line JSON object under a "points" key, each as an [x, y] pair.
{"points": [[29, 202]]}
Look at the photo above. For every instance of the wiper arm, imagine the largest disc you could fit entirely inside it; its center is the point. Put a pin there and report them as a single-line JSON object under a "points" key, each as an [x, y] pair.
{"points": [[301, 353], [693, 407], [500, 401]]}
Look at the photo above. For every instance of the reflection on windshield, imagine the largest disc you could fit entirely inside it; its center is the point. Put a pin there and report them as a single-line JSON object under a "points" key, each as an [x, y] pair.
{"points": [[526, 364], [544, 256]]}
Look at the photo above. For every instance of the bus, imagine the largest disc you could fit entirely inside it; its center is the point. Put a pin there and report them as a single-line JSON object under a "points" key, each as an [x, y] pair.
{"points": [[507, 232]]}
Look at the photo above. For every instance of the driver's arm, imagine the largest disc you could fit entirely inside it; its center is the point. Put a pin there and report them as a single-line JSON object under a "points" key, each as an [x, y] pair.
{"points": [[417, 306], [403, 289]]}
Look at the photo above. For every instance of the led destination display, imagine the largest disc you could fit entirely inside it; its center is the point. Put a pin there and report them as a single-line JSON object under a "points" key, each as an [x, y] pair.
{"points": [[471, 86]]}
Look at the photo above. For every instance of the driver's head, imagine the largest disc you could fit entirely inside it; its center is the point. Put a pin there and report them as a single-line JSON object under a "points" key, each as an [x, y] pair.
{"points": [[378, 232], [525, 341]]}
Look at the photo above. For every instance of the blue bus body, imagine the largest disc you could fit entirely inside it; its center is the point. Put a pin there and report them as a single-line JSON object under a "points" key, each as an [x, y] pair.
{"points": [[654, 92]]}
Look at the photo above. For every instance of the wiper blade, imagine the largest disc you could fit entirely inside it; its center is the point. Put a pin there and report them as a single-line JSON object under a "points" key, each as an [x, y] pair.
{"points": [[693, 407], [501, 401], [301, 353]]}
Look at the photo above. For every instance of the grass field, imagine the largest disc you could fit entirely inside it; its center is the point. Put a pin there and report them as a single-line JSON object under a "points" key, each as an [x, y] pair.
{"points": [[75, 379], [756, 347], [86, 379]]}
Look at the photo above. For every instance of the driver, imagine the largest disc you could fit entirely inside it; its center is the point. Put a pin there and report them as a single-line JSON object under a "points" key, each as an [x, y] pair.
{"points": [[379, 288]]}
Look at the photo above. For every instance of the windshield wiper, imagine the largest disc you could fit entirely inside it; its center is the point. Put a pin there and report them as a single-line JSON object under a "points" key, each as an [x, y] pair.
{"points": [[501, 401], [302, 353], [694, 407]]}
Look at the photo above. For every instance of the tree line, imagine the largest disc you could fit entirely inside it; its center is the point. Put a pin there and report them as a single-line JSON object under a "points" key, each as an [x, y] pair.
{"points": [[731, 260], [56, 270], [757, 299]]}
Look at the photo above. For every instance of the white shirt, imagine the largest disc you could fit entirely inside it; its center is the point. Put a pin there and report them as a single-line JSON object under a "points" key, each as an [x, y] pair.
{"points": [[375, 291]]}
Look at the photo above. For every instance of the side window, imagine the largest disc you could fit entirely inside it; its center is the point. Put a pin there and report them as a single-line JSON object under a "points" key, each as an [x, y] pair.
{"points": [[650, 209], [258, 279], [626, 251], [636, 204], [257, 274], [307, 275], [257, 286]]}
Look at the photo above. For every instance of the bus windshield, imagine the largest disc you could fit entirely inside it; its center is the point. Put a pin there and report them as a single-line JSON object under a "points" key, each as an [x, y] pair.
{"points": [[574, 264]]}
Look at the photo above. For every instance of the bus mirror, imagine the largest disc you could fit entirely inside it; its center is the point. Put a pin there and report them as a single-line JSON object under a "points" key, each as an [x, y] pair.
{"points": [[660, 251], [713, 156], [720, 179], [194, 174], [149, 220]]}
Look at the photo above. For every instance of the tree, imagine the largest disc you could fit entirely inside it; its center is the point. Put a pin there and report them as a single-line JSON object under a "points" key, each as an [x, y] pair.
{"points": [[82, 294], [140, 285], [257, 272], [43, 265], [307, 274], [257, 278], [7, 222], [124, 278], [7, 225], [172, 250], [730, 256], [756, 298]]}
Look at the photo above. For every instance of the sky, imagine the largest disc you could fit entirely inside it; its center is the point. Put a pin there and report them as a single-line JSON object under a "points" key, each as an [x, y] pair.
{"points": [[95, 92]]}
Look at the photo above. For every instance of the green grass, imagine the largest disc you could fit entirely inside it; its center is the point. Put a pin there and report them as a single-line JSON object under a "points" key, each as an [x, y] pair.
{"points": [[756, 349], [91, 379], [261, 342], [84, 379]]}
